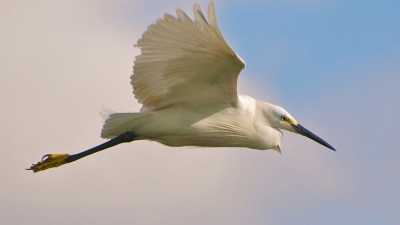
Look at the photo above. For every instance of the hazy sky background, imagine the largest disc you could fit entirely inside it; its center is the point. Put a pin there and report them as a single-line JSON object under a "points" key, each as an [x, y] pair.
{"points": [[334, 65]]}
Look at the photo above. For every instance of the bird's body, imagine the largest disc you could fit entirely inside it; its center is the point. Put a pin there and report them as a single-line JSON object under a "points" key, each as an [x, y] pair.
{"points": [[242, 124], [186, 79]]}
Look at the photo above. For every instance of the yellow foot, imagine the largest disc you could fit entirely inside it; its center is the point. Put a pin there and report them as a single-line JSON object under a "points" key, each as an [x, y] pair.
{"points": [[49, 161]]}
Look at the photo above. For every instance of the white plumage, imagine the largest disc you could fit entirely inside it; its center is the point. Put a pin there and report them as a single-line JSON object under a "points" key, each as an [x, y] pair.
{"points": [[185, 62], [186, 79]]}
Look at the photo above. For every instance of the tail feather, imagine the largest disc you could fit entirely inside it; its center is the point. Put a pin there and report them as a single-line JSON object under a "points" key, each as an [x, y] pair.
{"points": [[118, 123]]}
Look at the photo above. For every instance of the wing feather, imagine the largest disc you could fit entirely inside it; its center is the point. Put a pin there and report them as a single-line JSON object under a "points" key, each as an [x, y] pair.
{"points": [[185, 62]]}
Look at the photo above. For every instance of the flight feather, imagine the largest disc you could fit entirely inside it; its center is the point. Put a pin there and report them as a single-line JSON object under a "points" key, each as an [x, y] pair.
{"points": [[185, 62]]}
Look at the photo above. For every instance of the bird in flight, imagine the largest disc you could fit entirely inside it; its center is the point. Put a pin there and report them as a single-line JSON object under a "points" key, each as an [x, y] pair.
{"points": [[186, 80]]}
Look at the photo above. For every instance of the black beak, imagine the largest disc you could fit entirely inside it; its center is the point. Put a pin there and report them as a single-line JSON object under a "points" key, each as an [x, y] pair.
{"points": [[303, 131]]}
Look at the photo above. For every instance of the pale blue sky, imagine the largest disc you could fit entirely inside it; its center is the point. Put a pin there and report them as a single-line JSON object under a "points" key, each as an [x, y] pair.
{"points": [[334, 65]]}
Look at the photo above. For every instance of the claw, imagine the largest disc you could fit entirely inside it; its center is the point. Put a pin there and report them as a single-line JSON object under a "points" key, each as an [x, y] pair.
{"points": [[49, 161]]}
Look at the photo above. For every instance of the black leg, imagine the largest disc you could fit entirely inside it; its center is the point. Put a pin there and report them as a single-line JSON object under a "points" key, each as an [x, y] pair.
{"points": [[125, 137]]}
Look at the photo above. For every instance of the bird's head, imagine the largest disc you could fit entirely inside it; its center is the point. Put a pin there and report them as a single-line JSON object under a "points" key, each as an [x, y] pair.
{"points": [[281, 119]]}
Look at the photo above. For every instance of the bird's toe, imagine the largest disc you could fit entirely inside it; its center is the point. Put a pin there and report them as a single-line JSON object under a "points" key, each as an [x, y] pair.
{"points": [[49, 161]]}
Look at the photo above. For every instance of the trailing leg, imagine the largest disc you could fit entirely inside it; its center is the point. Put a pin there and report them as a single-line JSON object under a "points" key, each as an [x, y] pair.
{"points": [[55, 160]]}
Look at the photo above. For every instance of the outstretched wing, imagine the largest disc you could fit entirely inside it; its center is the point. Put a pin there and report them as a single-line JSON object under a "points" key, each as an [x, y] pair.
{"points": [[185, 62]]}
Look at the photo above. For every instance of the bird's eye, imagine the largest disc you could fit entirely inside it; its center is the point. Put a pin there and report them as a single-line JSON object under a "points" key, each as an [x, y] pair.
{"points": [[284, 118]]}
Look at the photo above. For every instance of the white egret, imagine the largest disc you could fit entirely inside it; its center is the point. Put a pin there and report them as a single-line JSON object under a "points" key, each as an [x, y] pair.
{"points": [[186, 79]]}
